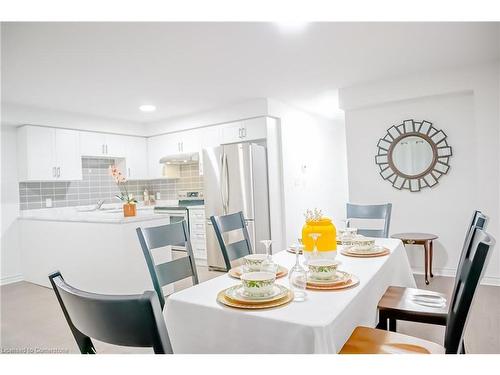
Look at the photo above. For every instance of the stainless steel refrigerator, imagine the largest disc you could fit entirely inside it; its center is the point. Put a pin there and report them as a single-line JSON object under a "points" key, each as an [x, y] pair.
{"points": [[235, 179]]}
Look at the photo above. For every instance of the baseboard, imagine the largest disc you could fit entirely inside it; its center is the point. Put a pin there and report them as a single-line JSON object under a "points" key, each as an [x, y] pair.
{"points": [[11, 279], [450, 272]]}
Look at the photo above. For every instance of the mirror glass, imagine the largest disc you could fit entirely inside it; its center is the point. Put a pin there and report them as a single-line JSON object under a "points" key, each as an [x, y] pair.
{"points": [[412, 155]]}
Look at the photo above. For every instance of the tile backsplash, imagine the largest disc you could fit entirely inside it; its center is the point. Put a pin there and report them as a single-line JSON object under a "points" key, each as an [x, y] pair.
{"points": [[97, 184]]}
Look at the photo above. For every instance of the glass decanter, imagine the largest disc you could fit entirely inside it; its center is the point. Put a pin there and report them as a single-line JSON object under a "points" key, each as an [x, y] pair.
{"points": [[297, 277]]}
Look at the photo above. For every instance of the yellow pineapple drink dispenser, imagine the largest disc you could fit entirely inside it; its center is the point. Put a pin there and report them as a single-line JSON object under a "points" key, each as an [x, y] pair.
{"points": [[326, 242]]}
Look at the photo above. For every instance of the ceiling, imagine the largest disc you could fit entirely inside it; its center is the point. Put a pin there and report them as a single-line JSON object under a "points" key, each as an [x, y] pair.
{"points": [[109, 69]]}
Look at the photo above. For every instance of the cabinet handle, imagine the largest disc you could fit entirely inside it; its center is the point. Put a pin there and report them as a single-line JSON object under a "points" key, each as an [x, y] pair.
{"points": [[106, 149], [58, 171], [102, 148], [53, 171], [129, 172], [244, 132], [239, 132], [182, 146]]}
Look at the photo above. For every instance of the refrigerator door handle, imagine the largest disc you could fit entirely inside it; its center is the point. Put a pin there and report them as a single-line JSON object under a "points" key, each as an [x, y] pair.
{"points": [[223, 178], [227, 183]]}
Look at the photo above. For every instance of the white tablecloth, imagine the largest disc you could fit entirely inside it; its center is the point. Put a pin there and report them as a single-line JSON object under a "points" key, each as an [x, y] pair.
{"points": [[197, 323]]}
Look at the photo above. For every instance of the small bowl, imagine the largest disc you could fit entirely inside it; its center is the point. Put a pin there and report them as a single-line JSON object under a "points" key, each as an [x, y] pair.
{"points": [[323, 269], [363, 243], [253, 262], [258, 284]]}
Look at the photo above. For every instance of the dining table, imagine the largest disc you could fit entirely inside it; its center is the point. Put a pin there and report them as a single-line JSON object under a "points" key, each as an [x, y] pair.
{"points": [[197, 323]]}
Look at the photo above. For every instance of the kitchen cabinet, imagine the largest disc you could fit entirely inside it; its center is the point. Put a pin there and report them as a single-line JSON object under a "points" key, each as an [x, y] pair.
{"points": [[197, 234], [48, 154], [158, 147], [136, 159], [246, 130], [100, 144]]}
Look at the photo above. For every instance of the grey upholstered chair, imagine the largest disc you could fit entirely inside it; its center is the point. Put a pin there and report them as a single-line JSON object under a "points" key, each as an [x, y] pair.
{"points": [[169, 272], [126, 320], [376, 211], [235, 250]]}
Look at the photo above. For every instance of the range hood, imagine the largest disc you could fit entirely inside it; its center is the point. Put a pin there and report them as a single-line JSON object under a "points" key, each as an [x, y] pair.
{"points": [[181, 159]]}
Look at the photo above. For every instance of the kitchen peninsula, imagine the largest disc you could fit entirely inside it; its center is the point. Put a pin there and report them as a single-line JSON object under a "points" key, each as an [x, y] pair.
{"points": [[95, 250]]}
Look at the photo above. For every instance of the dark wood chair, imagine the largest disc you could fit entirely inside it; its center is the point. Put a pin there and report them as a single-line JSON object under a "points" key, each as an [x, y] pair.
{"points": [[376, 211], [169, 272], [397, 302], [126, 320], [235, 250], [365, 340]]}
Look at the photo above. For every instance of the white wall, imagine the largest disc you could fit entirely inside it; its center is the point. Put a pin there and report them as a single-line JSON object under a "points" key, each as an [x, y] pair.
{"points": [[10, 256], [314, 166], [464, 104]]}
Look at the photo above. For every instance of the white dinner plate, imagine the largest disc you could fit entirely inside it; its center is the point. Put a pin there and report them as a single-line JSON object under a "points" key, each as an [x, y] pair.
{"points": [[374, 250], [340, 277], [237, 293]]}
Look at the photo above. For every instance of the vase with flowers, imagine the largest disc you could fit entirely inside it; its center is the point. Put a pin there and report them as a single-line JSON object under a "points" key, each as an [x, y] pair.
{"points": [[129, 202]]}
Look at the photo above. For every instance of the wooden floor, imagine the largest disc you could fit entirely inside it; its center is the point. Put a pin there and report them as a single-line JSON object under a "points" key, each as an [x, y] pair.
{"points": [[32, 320]]}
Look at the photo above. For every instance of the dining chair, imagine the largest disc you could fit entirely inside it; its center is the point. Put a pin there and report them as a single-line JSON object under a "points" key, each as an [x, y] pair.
{"points": [[365, 340], [373, 212], [227, 223], [169, 272], [397, 302], [126, 320]]}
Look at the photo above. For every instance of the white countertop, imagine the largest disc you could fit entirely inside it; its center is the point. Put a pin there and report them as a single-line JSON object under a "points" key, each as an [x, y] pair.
{"points": [[112, 214]]}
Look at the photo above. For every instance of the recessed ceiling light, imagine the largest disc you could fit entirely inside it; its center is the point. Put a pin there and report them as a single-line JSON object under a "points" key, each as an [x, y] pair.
{"points": [[291, 26], [147, 108]]}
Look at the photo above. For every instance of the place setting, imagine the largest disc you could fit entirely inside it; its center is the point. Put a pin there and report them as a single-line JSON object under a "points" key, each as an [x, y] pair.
{"points": [[359, 246], [258, 288], [259, 262]]}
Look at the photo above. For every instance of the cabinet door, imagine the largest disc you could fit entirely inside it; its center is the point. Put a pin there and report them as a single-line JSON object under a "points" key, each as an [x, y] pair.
{"points": [[68, 157], [92, 144], [115, 145], [37, 145], [190, 141], [158, 147], [136, 159], [232, 133], [209, 137], [254, 129]]}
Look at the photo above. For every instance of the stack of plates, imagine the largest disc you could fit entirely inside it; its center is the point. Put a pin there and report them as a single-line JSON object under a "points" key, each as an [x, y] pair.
{"points": [[342, 280], [235, 296], [429, 300], [375, 251]]}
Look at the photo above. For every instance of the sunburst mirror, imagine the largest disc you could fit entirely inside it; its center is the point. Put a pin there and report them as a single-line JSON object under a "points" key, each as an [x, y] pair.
{"points": [[413, 155]]}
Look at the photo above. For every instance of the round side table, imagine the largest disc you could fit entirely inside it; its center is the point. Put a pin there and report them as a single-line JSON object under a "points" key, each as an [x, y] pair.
{"points": [[424, 239]]}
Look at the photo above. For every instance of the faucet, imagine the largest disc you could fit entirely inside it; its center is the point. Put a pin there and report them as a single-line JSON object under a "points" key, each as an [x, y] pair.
{"points": [[99, 204]]}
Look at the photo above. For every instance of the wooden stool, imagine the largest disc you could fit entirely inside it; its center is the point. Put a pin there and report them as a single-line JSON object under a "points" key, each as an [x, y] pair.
{"points": [[425, 239]]}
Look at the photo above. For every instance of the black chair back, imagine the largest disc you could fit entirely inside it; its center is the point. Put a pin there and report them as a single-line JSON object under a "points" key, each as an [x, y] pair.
{"points": [[169, 272], [475, 261], [127, 320], [235, 250]]}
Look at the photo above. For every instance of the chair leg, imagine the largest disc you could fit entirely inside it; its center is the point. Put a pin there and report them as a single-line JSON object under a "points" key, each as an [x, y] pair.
{"points": [[392, 325], [382, 321]]}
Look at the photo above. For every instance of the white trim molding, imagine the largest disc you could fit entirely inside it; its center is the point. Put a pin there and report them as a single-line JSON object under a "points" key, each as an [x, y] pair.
{"points": [[450, 272], [11, 279]]}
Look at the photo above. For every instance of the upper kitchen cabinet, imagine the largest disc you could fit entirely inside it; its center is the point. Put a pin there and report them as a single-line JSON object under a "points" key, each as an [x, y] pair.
{"points": [[100, 144], [48, 154], [136, 158], [246, 130]]}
